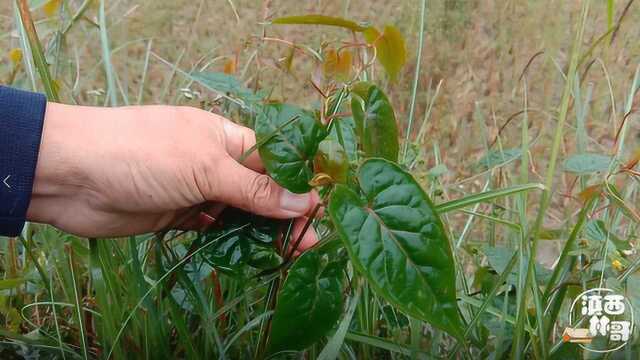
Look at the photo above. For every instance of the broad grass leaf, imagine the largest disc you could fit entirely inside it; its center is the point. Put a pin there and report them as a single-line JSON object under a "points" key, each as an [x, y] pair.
{"points": [[396, 239], [6, 284], [390, 47], [375, 121], [309, 304], [314, 19], [584, 164], [287, 152]]}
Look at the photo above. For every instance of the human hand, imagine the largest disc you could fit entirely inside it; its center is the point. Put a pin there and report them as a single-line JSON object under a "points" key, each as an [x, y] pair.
{"points": [[131, 170]]}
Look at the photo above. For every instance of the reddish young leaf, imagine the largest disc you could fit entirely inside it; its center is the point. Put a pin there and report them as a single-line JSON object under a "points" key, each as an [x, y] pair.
{"points": [[390, 48]]}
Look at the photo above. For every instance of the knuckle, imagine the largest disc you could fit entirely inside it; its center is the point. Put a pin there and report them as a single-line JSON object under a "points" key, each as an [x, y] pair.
{"points": [[259, 189]]}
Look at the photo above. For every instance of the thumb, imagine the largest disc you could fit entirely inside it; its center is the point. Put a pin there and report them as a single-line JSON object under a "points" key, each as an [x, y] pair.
{"points": [[246, 189]]}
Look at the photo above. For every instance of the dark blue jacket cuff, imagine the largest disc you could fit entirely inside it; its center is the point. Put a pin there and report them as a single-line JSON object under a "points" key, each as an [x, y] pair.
{"points": [[21, 121]]}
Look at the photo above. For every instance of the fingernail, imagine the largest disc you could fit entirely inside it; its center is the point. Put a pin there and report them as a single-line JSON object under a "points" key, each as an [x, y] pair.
{"points": [[298, 203]]}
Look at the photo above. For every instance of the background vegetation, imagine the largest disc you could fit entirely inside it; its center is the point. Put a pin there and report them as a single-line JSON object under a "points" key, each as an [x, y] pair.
{"points": [[508, 93]]}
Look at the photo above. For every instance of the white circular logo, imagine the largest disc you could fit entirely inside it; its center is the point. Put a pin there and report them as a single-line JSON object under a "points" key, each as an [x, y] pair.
{"points": [[604, 321]]}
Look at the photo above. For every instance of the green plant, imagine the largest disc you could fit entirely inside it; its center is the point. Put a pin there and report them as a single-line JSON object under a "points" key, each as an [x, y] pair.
{"points": [[381, 223]]}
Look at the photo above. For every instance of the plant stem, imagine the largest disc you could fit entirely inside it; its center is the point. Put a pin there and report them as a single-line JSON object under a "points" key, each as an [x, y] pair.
{"points": [[106, 55], [517, 352], [37, 52], [416, 78]]}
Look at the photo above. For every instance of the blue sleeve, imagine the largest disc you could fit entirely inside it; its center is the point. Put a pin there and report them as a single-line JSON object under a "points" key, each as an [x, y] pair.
{"points": [[21, 121]]}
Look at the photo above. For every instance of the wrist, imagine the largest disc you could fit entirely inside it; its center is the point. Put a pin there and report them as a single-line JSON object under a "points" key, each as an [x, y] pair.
{"points": [[58, 176]]}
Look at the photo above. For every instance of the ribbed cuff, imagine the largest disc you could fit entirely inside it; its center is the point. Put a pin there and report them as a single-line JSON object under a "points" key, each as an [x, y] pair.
{"points": [[21, 121]]}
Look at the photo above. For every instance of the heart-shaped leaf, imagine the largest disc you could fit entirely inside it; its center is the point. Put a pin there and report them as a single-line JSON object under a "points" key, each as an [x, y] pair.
{"points": [[390, 48], [396, 239], [314, 19], [289, 138], [375, 121], [309, 304]]}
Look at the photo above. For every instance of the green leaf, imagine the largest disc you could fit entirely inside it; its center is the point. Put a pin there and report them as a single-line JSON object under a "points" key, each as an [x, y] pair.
{"points": [[583, 164], [375, 121], [6, 284], [397, 240], [287, 152], [596, 230], [229, 255], [314, 19], [309, 304], [390, 48], [499, 257], [381, 343], [347, 131], [252, 245]]}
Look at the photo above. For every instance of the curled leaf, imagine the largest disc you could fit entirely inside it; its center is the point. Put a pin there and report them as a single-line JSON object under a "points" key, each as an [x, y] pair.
{"points": [[331, 160], [314, 19], [321, 179]]}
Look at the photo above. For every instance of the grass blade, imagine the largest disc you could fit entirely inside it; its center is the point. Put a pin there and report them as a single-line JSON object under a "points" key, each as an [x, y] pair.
{"points": [[332, 349], [378, 343], [36, 51], [517, 352], [485, 197], [112, 89], [78, 308], [416, 77], [178, 265]]}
